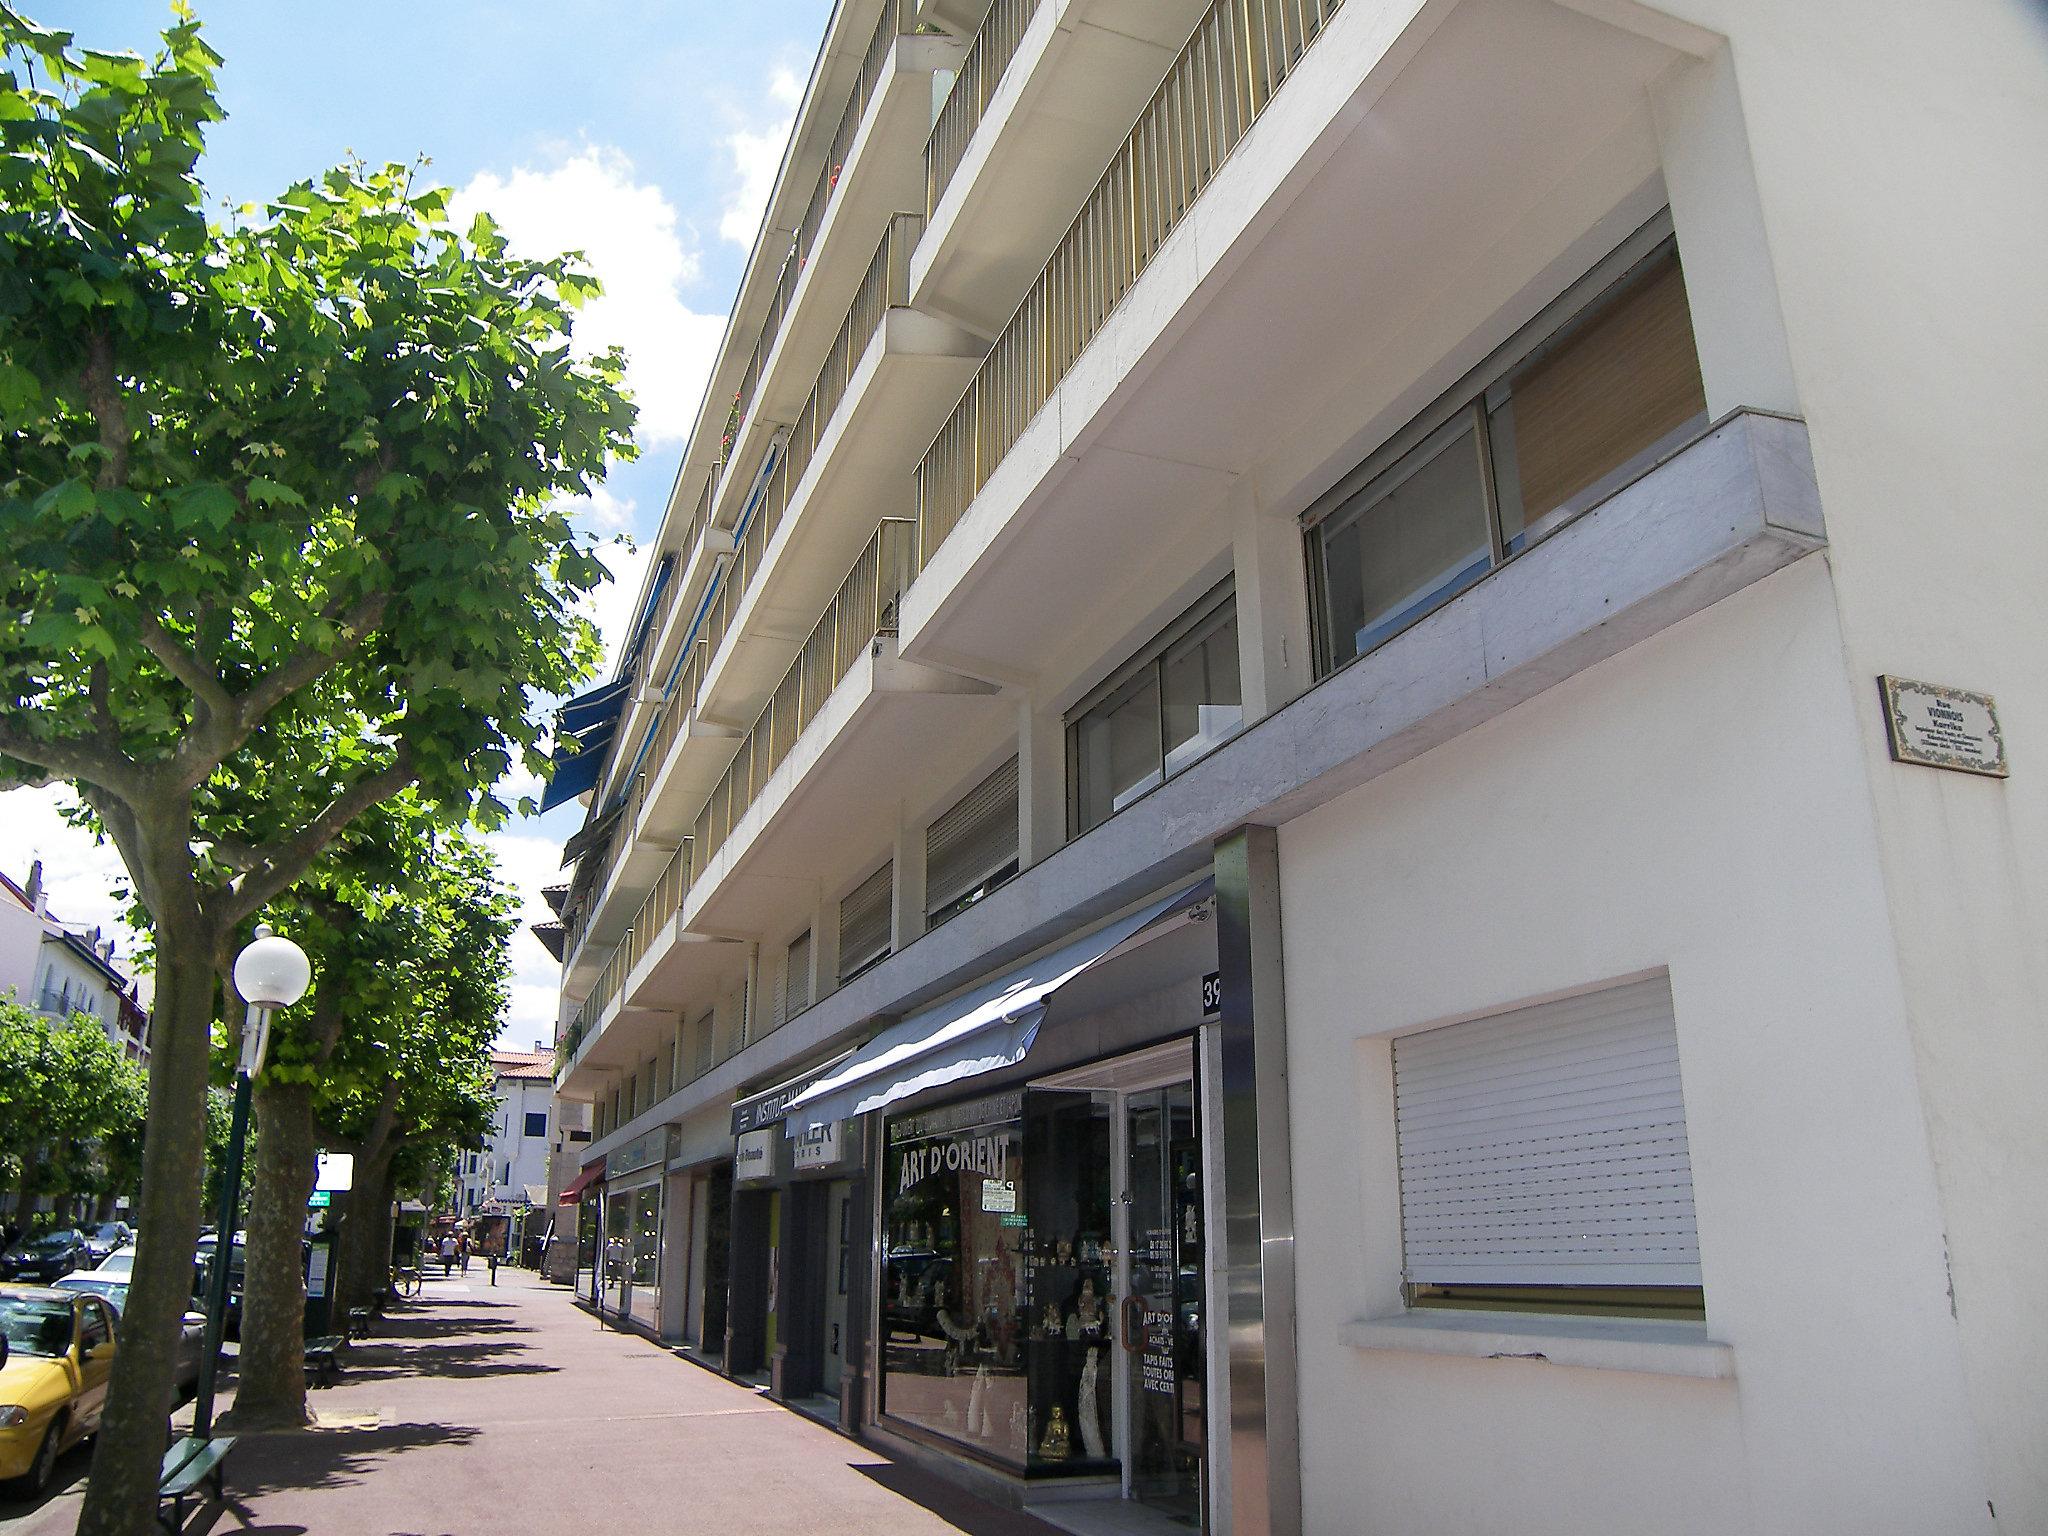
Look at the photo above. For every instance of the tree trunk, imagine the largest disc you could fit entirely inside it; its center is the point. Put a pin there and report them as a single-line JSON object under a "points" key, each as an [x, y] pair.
{"points": [[121, 1498], [270, 1384], [357, 1274]]}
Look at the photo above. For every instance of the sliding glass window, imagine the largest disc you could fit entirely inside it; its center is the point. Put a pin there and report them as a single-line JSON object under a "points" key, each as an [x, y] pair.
{"points": [[1168, 706], [1586, 398]]}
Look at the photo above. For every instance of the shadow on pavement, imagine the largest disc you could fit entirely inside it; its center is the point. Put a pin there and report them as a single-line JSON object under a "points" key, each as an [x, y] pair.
{"points": [[957, 1507], [447, 1360], [326, 1458]]}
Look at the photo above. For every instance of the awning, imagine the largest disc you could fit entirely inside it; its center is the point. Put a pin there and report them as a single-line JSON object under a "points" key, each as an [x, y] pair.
{"points": [[981, 1031], [573, 1191], [597, 707], [554, 938], [588, 835]]}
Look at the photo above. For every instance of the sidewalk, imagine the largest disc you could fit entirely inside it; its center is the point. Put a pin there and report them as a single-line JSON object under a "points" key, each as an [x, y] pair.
{"points": [[482, 1411]]}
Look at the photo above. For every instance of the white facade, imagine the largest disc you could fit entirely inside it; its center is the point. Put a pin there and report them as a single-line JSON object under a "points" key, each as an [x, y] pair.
{"points": [[58, 970], [522, 1134], [1647, 744]]}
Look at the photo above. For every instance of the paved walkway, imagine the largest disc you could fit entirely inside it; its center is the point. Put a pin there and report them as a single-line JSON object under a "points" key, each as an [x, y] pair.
{"points": [[484, 1411]]}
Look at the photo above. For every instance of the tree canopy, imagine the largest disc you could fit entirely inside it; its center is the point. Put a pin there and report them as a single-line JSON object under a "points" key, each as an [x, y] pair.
{"points": [[282, 533]]}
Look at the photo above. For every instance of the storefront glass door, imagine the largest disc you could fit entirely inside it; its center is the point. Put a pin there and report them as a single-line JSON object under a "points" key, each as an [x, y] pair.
{"points": [[1160, 1316]]}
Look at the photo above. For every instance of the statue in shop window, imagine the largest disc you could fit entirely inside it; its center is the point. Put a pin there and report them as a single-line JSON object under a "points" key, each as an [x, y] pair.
{"points": [[1058, 1443], [1087, 1311], [1089, 1409]]}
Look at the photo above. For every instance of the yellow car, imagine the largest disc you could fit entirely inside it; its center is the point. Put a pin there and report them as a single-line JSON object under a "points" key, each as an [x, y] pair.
{"points": [[53, 1378]]}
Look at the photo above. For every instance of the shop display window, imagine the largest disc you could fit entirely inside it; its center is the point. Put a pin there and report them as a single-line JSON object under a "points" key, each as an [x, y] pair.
{"points": [[998, 1279], [646, 1271], [617, 1260]]}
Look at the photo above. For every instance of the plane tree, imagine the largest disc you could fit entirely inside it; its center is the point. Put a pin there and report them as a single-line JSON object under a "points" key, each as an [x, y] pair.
{"points": [[282, 533]]}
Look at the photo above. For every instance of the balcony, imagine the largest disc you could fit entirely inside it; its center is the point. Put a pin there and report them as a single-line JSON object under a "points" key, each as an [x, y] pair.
{"points": [[1040, 104], [1316, 226], [802, 795], [870, 168], [883, 386]]}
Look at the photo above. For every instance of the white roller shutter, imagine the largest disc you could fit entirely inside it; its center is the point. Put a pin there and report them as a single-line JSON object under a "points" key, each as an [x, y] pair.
{"points": [[865, 925], [1546, 1146], [796, 973], [974, 841]]}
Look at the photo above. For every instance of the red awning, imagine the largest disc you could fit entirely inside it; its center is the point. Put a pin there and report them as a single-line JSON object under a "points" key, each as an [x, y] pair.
{"points": [[591, 1173]]}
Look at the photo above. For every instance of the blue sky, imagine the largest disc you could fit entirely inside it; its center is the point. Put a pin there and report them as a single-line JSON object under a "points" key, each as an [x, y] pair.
{"points": [[645, 133]]}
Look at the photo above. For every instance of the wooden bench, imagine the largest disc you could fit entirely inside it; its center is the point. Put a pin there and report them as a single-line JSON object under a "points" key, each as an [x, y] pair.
{"points": [[188, 1465], [323, 1358], [358, 1323]]}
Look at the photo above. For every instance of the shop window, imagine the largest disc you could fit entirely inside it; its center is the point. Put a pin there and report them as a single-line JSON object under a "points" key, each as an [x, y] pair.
{"points": [[865, 925], [972, 848], [1543, 1159], [997, 1285], [1588, 396], [1175, 701]]}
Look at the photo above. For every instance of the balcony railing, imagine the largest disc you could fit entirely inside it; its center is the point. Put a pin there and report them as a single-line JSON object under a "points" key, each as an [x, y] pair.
{"points": [[654, 913], [1239, 55], [885, 284], [863, 608], [891, 24], [980, 73]]}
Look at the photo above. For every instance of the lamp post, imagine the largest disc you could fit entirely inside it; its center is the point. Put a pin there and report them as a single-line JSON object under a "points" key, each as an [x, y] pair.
{"points": [[271, 973]]}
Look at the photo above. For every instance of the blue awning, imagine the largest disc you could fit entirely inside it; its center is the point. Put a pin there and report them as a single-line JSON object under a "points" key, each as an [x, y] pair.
{"points": [[578, 763], [596, 707], [981, 1031]]}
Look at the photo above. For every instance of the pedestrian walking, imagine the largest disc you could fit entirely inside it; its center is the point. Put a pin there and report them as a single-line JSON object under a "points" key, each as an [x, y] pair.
{"points": [[447, 1254], [462, 1251]]}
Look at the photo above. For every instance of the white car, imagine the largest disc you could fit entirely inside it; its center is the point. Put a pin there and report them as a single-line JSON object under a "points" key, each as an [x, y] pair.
{"points": [[120, 1262]]}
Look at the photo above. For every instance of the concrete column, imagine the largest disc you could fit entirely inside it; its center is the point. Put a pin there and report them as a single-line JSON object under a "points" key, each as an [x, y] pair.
{"points": [[1041, 783], [824, 949], [1274, 657], [1729, 281], [907, 899]]}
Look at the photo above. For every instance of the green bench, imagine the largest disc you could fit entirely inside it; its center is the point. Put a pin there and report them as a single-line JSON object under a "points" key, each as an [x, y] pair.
{"points": [[323, 1358], [188, 1465]]}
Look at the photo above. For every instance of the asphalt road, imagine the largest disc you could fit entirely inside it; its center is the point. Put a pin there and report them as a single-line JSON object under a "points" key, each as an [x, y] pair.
{"points": [[484, 1411]]}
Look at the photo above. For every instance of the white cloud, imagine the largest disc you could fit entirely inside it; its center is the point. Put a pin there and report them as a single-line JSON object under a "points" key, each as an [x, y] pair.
{"points": [[756, 156], [590, 201], [527, 862]]}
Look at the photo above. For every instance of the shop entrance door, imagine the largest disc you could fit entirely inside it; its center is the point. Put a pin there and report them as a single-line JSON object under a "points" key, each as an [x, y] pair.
{"points": [[1159, 1326]]}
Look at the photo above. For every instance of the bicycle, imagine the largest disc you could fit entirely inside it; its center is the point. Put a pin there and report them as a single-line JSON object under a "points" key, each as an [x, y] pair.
{"points": [[406, 1282]]}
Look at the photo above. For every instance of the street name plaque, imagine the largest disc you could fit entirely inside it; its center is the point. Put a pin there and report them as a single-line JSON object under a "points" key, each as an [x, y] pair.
{"points": [[1940, 727]]}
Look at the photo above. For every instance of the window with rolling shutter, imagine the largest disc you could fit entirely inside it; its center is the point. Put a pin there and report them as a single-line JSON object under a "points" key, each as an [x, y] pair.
{"points": [[972, 848], [864, 922], [1546, 1148], [796, 976]]}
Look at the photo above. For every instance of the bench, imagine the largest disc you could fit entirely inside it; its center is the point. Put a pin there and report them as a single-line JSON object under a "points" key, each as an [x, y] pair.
{"points": [[358, 1322], [188, 1465], [323, 1358]]}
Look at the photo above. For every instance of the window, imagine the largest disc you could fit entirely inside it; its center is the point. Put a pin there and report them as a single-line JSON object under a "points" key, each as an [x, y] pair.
{"points": [[1586, 397], [1543, 1158], [865, 925], [972, 848], [536, 1122], [796, 978], [1171, 704], [575, 1136]]}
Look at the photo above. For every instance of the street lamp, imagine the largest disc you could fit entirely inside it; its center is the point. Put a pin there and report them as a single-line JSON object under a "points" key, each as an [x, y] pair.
{"points": [[271, 973]]}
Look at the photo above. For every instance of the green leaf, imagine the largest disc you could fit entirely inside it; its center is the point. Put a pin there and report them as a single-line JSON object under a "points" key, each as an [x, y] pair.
{"points": [[272, 493]]}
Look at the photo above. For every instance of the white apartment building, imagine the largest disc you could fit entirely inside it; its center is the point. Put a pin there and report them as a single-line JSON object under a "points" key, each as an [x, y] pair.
{"points": [[499, 1176], [1328, 812], [59, 969]]}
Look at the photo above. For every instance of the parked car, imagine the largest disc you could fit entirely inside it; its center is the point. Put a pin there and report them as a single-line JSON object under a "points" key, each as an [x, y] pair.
{"points": [[120, 1263], [44, 1258], [103, 1238], [53, 1378], [114, 1290], [202, 1265]]}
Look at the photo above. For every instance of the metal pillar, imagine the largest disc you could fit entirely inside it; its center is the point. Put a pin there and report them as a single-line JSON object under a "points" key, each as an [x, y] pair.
{"points": [[1256, 1253]]}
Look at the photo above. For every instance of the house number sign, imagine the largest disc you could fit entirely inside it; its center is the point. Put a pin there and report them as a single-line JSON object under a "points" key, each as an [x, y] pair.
{"points": [[1940, 727]]}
